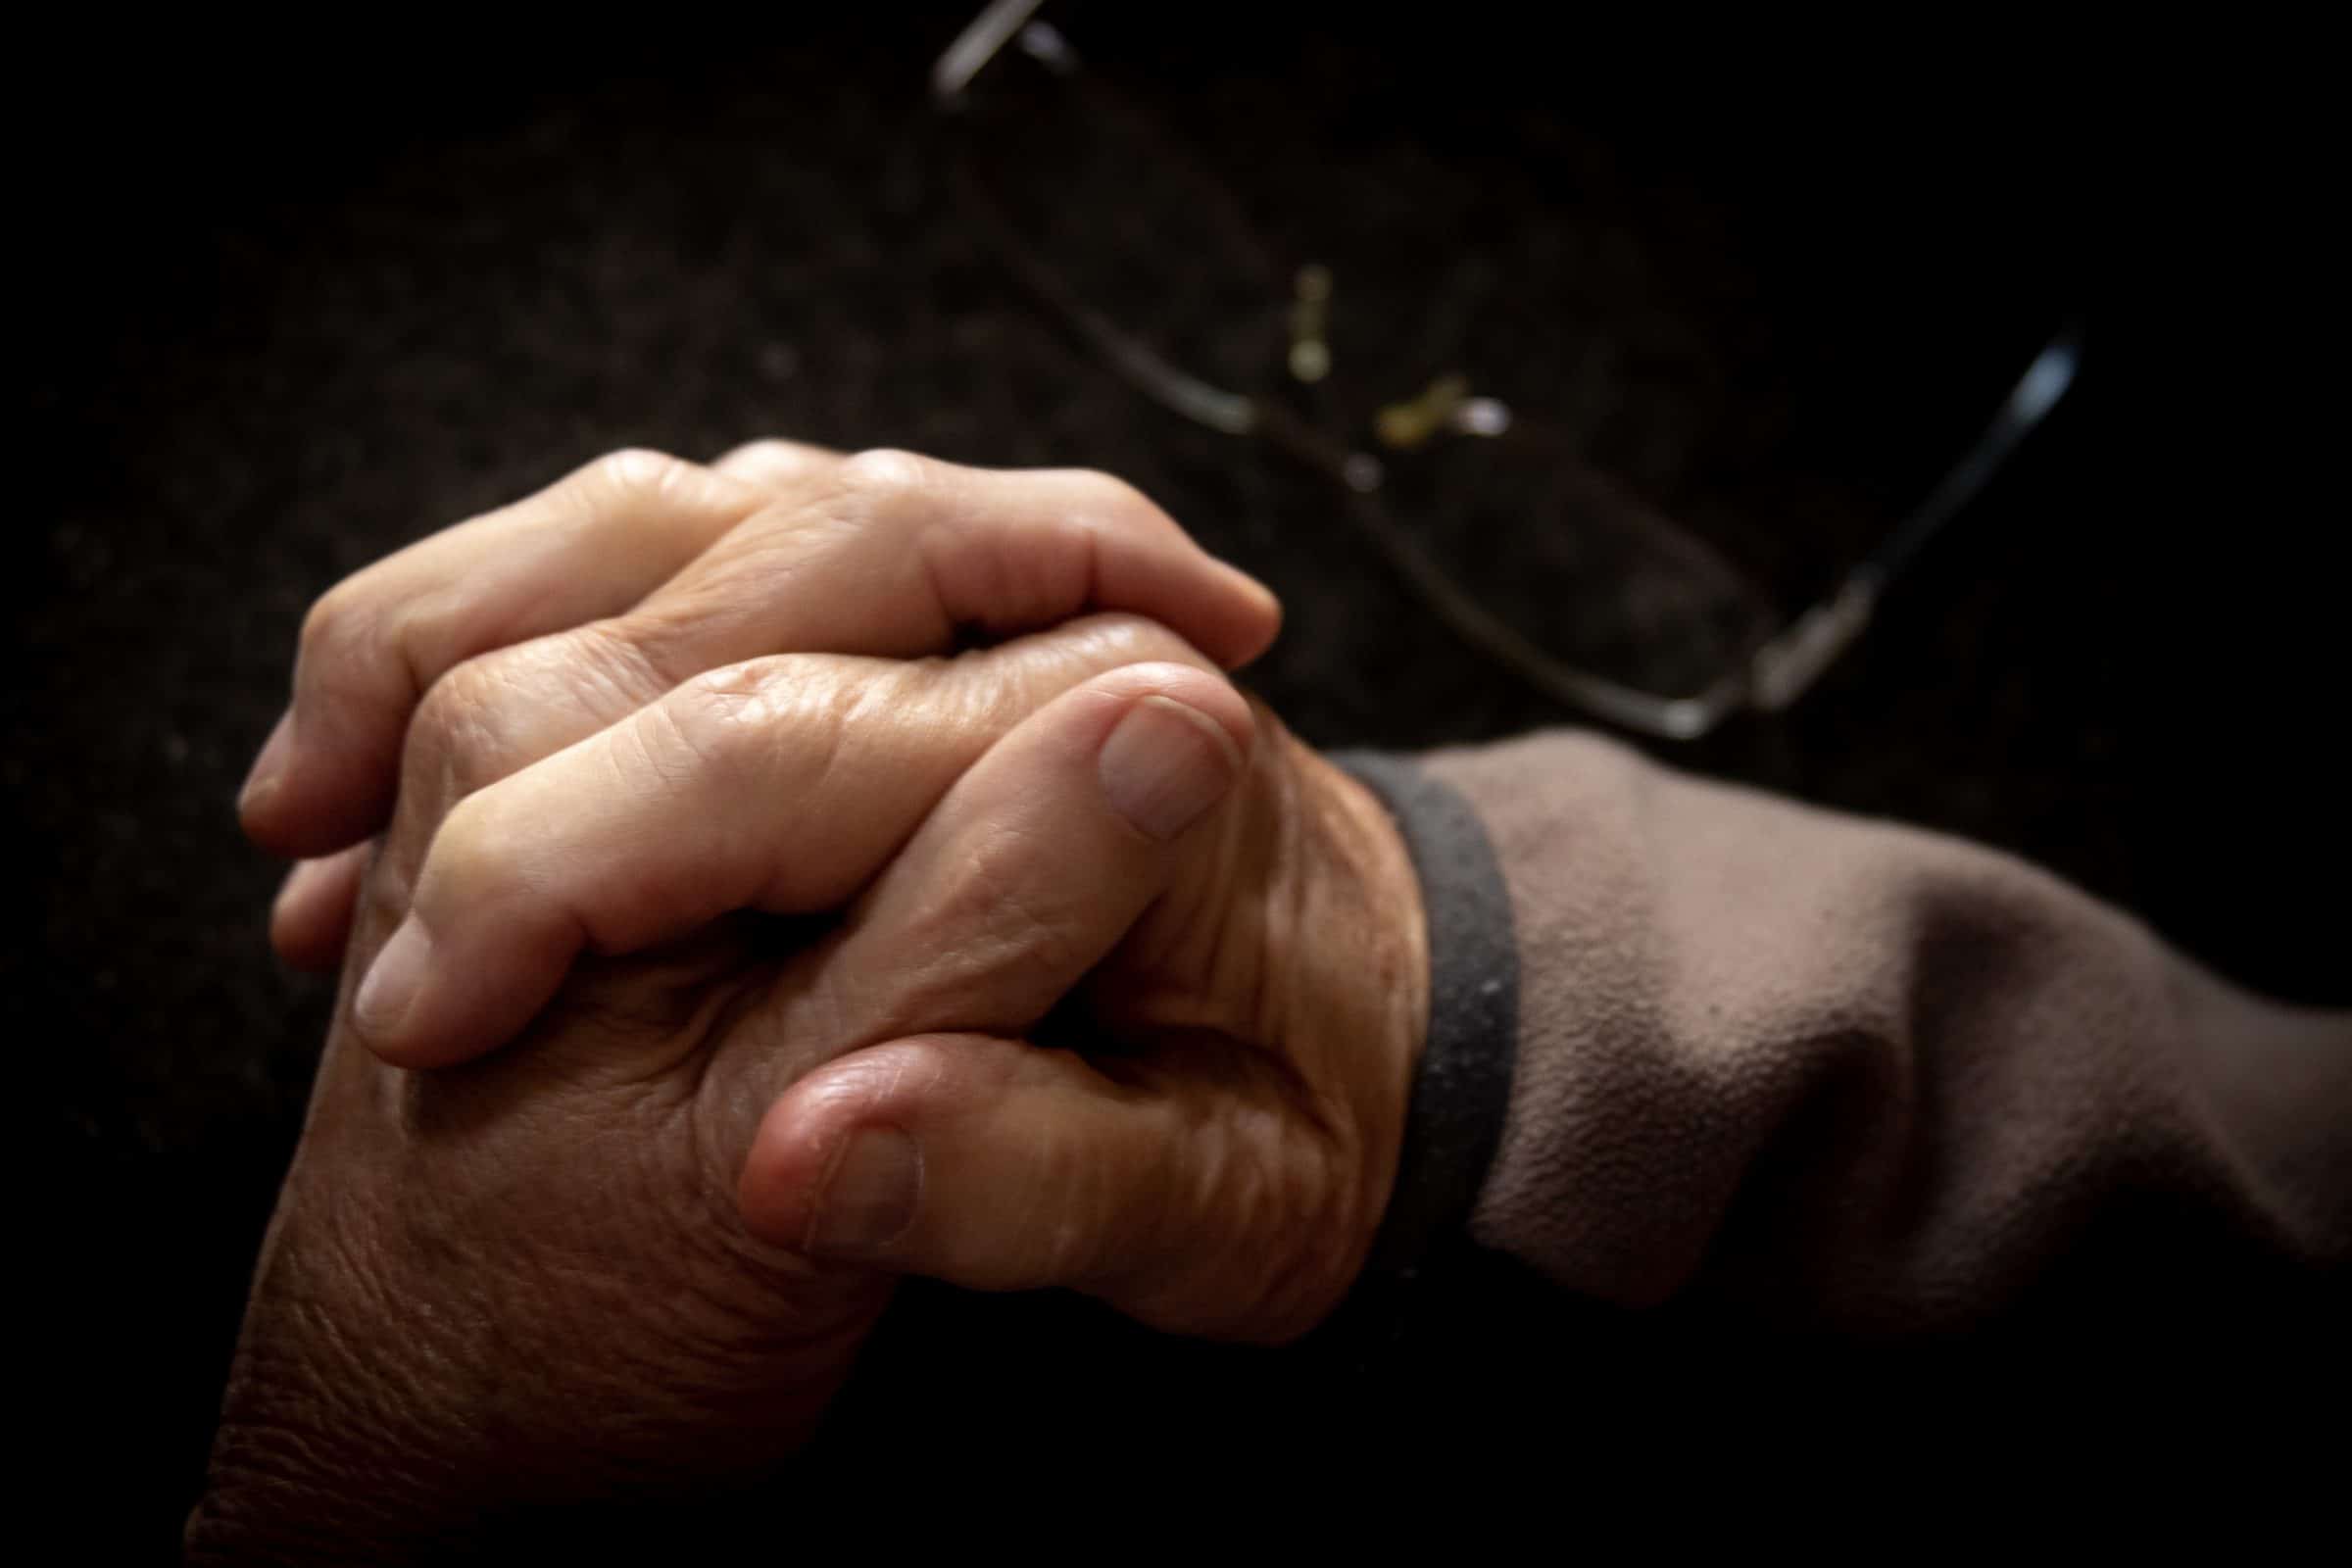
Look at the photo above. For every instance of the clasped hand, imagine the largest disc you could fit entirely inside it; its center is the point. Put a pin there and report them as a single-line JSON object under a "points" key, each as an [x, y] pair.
{"points": [[701, 847]]}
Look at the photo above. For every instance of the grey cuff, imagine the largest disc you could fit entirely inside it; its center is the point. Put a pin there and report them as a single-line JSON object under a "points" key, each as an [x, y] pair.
{"points": [[1463, 1085]]}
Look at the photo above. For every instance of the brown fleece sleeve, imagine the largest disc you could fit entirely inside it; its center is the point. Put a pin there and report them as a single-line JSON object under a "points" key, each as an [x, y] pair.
{"points": [[1857, 1074]]}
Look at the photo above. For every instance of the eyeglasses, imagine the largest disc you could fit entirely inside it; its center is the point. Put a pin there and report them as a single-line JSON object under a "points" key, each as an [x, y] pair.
{"points": [[1488, 511]]}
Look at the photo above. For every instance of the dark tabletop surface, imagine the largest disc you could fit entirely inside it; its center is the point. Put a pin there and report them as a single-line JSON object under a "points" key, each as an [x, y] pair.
{"points": [[282, 317]]}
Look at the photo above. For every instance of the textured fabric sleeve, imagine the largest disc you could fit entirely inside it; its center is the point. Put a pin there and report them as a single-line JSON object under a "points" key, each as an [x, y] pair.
{"points": [[1857, 1074]]}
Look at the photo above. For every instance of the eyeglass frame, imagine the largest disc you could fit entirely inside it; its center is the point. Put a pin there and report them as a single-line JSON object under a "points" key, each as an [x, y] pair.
{"points": [[1778, 668]]}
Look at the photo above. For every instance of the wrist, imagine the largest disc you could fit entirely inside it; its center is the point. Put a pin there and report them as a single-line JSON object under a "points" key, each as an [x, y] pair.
{"points": [[1369, 970], [1384, 952]]}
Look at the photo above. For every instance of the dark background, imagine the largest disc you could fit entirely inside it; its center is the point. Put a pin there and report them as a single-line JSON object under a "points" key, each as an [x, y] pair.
{"points": [[283, 311]]}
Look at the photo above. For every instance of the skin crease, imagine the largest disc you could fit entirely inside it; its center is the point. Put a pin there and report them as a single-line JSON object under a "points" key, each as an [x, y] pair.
{"points": [[584, 1265]]}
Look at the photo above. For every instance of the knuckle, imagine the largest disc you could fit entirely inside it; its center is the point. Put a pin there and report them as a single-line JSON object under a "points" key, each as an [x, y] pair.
{"points": [[466, 862], [1116, 504], [770, 454], [452, 734], [340, 622], [638, 471], [731, 719], [613, 665], [885, 476], [700, 730], [1115, 496], [362, 646]]}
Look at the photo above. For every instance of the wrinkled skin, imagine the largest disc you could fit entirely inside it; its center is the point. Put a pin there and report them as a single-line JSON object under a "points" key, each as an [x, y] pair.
{"points": [[527, 1280]]}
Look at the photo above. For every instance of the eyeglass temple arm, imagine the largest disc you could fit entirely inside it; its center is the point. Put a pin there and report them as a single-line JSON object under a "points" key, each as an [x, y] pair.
{"points": [[981, 41], [976, 45], [1786, 667]]}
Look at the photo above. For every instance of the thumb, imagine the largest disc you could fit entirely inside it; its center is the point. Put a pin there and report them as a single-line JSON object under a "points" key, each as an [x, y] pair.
{"points": [[998, 1166], [1035, 864], [1189, 1185]]}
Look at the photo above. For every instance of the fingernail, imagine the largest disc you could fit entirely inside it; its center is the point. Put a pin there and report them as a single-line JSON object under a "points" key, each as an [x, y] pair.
{"points": [[871, 1195], [269, 767], [1164, 765], [393, 980]]}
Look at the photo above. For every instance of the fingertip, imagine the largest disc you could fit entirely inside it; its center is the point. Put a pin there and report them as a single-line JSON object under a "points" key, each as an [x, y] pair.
{"points": [[266, 782], [802, 1134], [309, 921], [816, 1178], [1227, 613], [393, 991], [973, 1158], [1165, 766], [1259, 621], [428, 1002], [1207, 698], [319, 783], [775, 1172], [1221, 609], [293, 934], [778, 1169], [312, 808]]}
